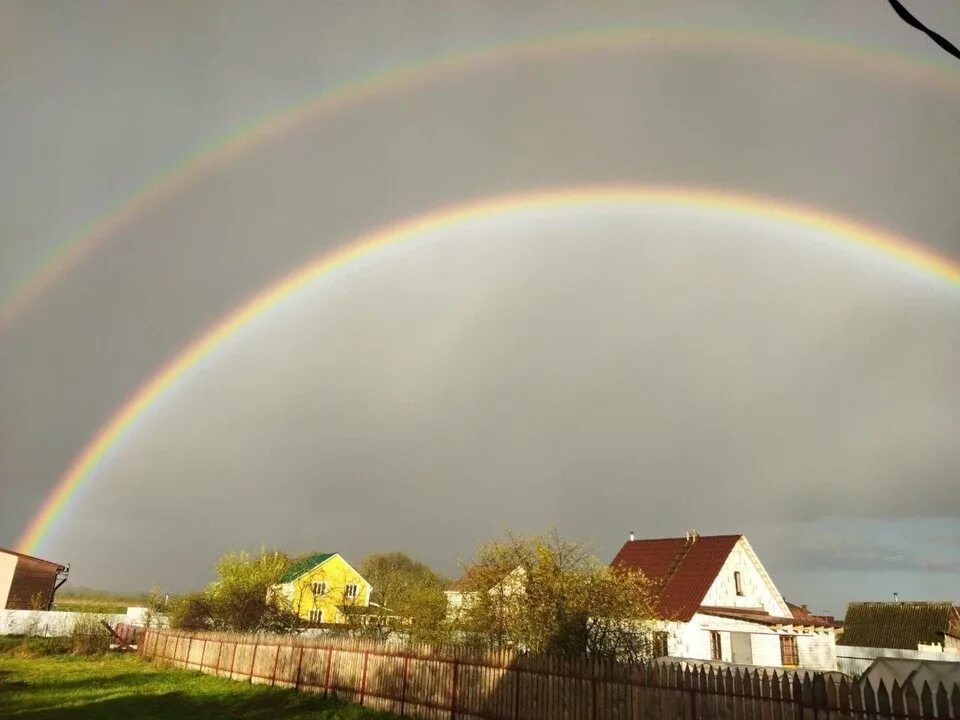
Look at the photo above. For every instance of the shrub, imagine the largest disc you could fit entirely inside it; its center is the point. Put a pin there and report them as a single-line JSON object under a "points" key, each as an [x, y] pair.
{"points": [[88, 636]]}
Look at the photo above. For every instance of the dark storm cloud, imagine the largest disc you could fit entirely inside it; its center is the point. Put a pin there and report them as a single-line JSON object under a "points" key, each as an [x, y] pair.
{"points": [[611, 381]]}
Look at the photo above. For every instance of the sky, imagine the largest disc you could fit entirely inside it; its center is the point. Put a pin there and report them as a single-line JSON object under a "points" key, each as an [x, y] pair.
{"points": [[604, 369]]}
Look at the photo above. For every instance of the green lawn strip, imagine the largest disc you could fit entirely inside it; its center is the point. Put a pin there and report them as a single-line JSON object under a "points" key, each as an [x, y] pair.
{"points": [[122, 686]]}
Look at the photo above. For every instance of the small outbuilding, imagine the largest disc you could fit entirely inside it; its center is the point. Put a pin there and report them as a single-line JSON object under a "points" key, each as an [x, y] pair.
{"points": [[27, 582]]}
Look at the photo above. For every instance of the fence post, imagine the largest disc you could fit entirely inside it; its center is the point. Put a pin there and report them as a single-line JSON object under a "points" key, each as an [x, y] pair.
{"points": [[326, 675], [233, 657], [203, 653], [363, 678], [296, 680], [253, 662], [689, 681], [593, 691], [516, 694], [403, 686], [456, 682], [276, 661]]}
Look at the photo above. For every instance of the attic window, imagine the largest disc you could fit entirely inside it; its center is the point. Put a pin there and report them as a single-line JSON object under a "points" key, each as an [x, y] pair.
{"points": [[737, 583], [350, 591], [319, 587]]}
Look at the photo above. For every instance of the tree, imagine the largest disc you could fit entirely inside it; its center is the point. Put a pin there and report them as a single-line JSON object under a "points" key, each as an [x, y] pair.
{"points": [[241, 599], [407, 597], [550, 594]]}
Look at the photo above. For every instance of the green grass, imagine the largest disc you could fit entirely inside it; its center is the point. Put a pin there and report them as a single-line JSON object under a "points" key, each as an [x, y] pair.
{"points": [[63, 687]]}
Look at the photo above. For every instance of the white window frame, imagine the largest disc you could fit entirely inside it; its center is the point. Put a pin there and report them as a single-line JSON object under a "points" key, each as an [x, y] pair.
{"points": [[318, 587], [738, 583], [351, 591], [316, 615]]}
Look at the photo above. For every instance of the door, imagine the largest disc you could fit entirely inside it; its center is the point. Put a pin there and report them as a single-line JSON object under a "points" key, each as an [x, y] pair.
{"points": [[741, 648]]}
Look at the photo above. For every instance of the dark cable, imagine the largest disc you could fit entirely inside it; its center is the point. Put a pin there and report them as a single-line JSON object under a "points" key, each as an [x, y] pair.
{"points": [[913, 22]]}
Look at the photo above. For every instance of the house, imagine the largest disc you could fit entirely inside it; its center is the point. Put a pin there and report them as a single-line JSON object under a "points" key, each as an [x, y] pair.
{"points": [[715, 601], [462, 590], [923, 626], [27, 582], [323, 588]]}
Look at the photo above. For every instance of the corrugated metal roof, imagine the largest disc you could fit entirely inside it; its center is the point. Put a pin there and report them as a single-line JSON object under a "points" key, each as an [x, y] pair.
{"points": [[304, 565], [898, 624], [682, 569]]}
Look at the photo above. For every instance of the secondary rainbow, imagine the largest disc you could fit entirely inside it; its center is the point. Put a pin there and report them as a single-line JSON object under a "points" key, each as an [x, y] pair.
{"points": [[285, 120], [87, 462]]}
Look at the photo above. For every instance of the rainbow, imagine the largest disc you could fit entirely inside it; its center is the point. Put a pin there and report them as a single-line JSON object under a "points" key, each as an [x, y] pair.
{"points": [[148, 395], [280, 123]]}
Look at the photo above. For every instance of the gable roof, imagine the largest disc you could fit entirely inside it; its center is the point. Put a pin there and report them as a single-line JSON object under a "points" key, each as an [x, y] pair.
{"points": [[900, 625], [682, 569], [304, 565]]}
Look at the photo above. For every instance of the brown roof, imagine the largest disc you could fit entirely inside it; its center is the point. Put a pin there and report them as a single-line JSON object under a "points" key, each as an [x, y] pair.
{"points": [[898, 624], [682, 569], [31, 557], [763, 617], [805, 617], [469, 580]]}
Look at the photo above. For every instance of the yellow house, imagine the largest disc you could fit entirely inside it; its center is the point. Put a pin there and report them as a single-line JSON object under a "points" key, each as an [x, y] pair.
{"points": [[319, 587]]}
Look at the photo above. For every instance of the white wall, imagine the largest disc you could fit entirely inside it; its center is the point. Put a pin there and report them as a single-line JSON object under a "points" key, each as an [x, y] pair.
{"points": [[758, 588], [855, 660], [8, 565], [818, 651], [54, 623], [692, 640]]}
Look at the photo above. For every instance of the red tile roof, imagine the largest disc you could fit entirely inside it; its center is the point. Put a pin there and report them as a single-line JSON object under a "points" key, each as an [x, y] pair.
{"points": [[683, 570]]}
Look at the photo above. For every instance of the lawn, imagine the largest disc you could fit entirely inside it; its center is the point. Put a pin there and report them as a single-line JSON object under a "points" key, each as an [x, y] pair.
{"points": [[62, 687]]}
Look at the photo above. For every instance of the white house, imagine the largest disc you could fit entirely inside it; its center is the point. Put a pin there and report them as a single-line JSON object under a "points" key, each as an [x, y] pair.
{"points": [[716, 602], [460, 592]]}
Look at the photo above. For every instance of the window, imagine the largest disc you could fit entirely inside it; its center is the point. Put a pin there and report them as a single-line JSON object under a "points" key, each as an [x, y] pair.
{"points": [[788, 650], [350, 591], [737, 583], [319, 587], [660, 648], [316, 616], [716, 649]]}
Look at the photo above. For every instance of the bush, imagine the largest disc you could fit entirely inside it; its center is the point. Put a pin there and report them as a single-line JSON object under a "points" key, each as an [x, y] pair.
{"points": [[88, 636]]}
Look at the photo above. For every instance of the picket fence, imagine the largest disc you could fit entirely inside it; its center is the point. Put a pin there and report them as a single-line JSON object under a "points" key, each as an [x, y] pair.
{"points": [[439, 683]]}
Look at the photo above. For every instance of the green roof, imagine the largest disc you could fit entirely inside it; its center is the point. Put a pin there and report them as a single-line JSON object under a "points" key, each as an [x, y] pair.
{"points": [[304, 565]]}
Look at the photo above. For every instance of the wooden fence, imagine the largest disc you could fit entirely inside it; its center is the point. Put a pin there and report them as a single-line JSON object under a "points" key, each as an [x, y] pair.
{"points": [[460, 684]]}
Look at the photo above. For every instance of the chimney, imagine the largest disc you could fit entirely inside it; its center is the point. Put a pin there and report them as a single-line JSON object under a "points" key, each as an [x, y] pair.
{"points": [[692, 536], [631, 536]]}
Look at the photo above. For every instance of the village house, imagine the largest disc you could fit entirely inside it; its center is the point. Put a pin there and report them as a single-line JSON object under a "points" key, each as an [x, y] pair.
{"points": [[460, 592], [716, 602], [919, 626], [323, 588], [27, 582]]}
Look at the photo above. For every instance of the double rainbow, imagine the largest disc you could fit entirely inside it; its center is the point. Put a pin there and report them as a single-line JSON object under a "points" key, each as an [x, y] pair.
{"points": [[150, 393], [281, 123]]}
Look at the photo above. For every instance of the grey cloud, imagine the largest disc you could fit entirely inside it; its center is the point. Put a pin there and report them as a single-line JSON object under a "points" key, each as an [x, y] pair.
{"points": [[616, 374]]}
